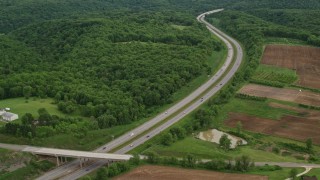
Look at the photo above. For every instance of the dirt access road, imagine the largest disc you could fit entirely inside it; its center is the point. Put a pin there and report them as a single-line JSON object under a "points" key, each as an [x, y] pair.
{"points": [[305, 60]]}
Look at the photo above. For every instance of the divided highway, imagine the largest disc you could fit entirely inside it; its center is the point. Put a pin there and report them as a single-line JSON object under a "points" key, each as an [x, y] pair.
{"points": [[222, 77]]}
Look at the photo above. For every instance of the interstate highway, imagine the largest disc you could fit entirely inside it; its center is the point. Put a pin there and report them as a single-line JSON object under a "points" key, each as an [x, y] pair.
{"points": [[67, 171]]}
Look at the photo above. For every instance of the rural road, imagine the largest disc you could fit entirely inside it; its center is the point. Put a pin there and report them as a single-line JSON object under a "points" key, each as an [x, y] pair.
{"points": [[66, 171]]}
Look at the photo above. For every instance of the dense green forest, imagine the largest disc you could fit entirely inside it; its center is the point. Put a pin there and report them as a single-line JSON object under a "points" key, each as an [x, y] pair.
{"points": [[17, 13], [296, 18], [115, 67], [118, 61], [116, 70]]}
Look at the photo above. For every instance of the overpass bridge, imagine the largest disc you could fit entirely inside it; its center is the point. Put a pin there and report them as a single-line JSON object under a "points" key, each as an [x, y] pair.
{"points": [[62, 154]]}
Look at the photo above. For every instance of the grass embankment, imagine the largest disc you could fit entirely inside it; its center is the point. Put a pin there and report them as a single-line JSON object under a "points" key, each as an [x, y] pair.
{"points": [[277, 174], [208, 150], [314, 172], [30, 171], [19, 165]]}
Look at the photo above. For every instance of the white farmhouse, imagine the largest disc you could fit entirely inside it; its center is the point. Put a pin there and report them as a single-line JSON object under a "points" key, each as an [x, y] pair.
{"points": [[7, 116]]}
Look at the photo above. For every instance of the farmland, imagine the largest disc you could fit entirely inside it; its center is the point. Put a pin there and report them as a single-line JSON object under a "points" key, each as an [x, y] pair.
{"points": [[272, 73], [303, 59], [292, 127], [161, 172], [283, 94]]}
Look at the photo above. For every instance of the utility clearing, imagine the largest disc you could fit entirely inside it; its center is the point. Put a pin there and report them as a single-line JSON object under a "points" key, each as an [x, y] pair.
{"points": [[305, 60]]}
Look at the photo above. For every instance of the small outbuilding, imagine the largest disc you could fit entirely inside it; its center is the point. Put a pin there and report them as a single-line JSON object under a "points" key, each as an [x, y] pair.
{"points": [[7, 116]]}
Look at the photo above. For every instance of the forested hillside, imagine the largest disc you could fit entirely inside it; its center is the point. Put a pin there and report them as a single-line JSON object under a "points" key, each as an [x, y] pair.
{"points": [[308, 20], [118, 68], [275, 4], [118, 61], [17, 13]]}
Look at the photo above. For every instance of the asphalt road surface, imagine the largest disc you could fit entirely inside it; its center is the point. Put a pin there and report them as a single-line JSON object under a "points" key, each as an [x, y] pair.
{"points": [[67, 171], [12, 147]]}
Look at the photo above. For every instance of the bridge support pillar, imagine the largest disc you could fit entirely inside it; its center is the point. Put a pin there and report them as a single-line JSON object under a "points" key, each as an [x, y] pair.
{"points": [[58, 163], [80, 163]]}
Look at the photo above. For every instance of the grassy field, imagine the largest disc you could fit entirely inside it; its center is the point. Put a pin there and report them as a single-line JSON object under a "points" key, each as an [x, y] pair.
{"points": [[314, 172], [3, 150], [273, 73], [208, 150], [2, 123], [21, 106], [286, 41], [253, 108]]}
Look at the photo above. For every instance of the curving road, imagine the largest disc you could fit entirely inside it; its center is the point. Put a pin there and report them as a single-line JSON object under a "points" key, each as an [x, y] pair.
{"points": [[63, 171]]}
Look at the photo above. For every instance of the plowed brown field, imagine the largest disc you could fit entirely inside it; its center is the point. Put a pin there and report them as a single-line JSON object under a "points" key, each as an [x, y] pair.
{"points": [[284, 94], [306, 60], [162, 172], [297, 128]]}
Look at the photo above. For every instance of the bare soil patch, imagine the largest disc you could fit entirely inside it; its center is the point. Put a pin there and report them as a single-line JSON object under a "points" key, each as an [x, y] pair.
{"points": [[305, 60], [292, 127], [284, 94], [162, 172]]}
